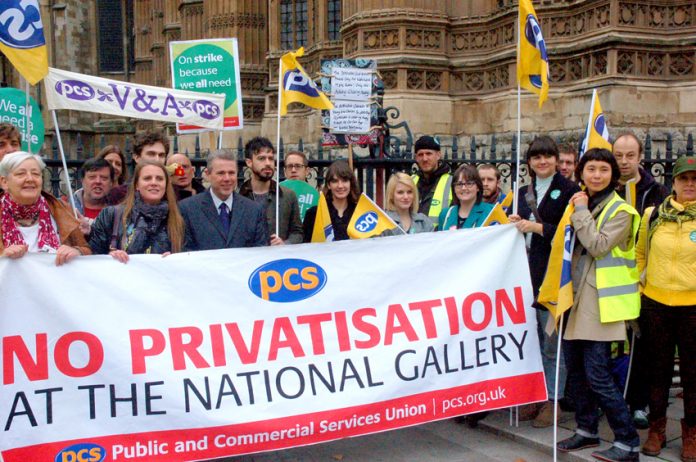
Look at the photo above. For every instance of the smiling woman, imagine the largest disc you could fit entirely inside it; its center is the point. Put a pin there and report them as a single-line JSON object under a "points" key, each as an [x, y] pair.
{"points": [[31, 220], [147, 222]]}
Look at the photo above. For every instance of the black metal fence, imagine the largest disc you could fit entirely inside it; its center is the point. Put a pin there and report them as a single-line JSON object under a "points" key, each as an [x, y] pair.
{"points": [[375, 166]]}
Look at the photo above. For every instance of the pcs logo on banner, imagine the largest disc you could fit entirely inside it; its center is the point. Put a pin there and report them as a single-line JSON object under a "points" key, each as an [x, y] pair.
{"points": [[82, 452], [287, 280]]}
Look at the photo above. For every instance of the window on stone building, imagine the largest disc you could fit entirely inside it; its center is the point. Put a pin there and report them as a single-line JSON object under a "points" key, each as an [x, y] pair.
{"points": [[334, 18], [110, 16], [293, 23]]}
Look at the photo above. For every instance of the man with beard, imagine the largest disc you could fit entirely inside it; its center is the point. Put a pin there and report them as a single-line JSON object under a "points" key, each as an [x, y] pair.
{"points": [[260, 158], [490, 178], [433, 178], [97, 181]]}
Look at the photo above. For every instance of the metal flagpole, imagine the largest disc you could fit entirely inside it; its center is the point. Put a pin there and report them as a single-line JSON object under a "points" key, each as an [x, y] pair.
{"points": [[277, 202], [630, 362], [27, 108], [515, 184], [65, 164], [555, 388]]}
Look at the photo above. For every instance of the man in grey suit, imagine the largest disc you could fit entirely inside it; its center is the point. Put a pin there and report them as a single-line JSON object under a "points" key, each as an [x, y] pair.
{"points": [[219, 218]]}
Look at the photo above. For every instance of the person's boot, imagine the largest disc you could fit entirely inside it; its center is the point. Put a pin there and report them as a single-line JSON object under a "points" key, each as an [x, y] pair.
{"points": [[688, 443], [545, 417], [656, 437], [529, 411]]}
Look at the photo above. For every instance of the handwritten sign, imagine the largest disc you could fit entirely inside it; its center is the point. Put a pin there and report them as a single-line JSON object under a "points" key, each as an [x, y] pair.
{"points": [[350, 117], [349, 83]]}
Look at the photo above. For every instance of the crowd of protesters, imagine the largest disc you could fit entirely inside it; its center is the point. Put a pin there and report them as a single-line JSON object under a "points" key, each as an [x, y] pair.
{"points": [[617, 255]]}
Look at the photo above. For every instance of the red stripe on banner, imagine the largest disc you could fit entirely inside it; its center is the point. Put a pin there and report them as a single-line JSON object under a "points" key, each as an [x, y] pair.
{"points": [[227, 122], [300, 430]]}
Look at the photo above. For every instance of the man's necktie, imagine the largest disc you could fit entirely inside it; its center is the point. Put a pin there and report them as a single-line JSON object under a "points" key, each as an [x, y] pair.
{"points": [[225, 218]]}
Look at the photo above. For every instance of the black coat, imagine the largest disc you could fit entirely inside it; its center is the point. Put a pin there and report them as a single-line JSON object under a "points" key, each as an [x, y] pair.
{"points": [[339, 224], [551, 210]]}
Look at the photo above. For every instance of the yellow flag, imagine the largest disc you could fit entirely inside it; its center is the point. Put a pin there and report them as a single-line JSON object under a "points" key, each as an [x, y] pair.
{"points": [[368, 220], [631, 192], [597, 133], [532, 58], [496, 217], [297, 87], [556, 291], [22, 38], [507, 200], [323, 229]]}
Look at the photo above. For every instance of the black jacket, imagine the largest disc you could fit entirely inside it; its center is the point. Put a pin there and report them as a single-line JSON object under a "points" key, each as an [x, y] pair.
{"points": [[551, 210], [649, 193], [426, 188], [339, 224]]}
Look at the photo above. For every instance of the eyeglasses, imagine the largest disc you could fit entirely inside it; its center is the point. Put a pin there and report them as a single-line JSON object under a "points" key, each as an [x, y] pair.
{"points": [[468, 184], [294, 166]]}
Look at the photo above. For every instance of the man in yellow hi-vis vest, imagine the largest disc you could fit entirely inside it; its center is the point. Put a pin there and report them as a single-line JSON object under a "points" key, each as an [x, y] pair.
{"points": [[432, 179]]}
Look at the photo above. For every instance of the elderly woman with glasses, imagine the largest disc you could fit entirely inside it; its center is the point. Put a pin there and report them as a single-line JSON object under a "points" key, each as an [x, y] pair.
{"points": [[468, 209], [32, 220]]}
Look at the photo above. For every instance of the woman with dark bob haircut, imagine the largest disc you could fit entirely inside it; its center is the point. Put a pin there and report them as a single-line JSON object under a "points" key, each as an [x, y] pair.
{"points": [[468, 209], [342, 193], [605, 286], [541, 207]]}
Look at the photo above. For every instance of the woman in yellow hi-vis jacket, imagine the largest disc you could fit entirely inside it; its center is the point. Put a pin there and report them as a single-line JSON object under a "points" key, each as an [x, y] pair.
{"points": [[666, 250], [605, 283]]}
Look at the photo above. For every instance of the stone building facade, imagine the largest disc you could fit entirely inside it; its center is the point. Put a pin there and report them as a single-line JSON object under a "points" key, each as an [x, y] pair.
{"points": [[447, 65]]}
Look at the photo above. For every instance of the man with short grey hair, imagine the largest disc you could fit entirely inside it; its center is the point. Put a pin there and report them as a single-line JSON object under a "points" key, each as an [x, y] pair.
{"points": [[220, 218]]}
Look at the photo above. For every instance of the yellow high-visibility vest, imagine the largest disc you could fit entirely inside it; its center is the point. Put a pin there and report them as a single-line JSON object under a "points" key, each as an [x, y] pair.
{"points": [[441, 196], [616, 272]]}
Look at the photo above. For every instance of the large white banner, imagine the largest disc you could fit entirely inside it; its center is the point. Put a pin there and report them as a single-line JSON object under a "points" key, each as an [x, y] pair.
{"points": [[80, 92], [217, 353]]}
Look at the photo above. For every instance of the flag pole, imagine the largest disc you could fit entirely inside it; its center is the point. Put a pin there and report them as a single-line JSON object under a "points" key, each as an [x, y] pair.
{"points": [[630, 362], [65, 164], [516, 182], [27, 108], [277, 201], [586, 141], [555, 388]]}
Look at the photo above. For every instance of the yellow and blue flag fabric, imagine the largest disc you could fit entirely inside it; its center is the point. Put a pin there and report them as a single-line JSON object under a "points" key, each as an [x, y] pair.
{"points": [[323, 229], [297, 87], [496, 216], [532, 58], [597, 133], [556, 291], [22, 38], [506, 201], [631, 192], [368, 220]]}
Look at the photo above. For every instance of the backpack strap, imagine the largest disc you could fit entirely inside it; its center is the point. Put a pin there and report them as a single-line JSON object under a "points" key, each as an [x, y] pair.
{"points": [[115, 227]]}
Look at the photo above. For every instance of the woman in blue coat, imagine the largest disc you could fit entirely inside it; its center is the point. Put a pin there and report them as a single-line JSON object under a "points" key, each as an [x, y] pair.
{"points": [[468, 209]]}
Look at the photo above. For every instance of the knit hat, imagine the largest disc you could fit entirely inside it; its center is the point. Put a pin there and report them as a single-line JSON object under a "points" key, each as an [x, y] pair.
{"points": [[427, 142], [684, 164]]}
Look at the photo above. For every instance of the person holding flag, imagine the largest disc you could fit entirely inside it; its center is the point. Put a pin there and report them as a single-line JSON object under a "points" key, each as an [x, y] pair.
{"points": [[468, 209], [329, 220], [402, 207], [538, 216], [605, 285]]}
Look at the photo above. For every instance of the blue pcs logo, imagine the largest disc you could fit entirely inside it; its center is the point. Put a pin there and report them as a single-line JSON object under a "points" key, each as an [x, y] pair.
{"points": [[366, 222], [20, 24], [532, 32], [600, 126], [287, 280], [294, 80], [82, 452]]}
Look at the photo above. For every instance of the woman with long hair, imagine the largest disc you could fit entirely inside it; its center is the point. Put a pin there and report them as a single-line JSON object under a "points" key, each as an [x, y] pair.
{"points": [[114, 155], [605, 285], [342, 193], [148, 221], [468, 209], [402, 207]]}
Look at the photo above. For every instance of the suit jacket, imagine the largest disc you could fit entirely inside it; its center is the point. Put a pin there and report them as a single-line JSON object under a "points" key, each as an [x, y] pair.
{"points": [[248, 226], [551, 209]]}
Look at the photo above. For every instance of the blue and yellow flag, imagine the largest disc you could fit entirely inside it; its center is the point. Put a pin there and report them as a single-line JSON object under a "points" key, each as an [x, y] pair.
{"points": [[597, 133], [368, 220], [506, 202], [496, 216], [323, 229], [532, 58], [22, 38], [556, 291], [296, 85]]}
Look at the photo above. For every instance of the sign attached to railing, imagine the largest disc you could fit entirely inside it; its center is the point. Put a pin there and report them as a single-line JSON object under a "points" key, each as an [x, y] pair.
{"points": [[247, 350], [80, 92]]}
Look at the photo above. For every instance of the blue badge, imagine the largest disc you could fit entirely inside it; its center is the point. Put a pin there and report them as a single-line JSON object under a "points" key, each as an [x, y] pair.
{"points": [[692, 236], [555, 194]]}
